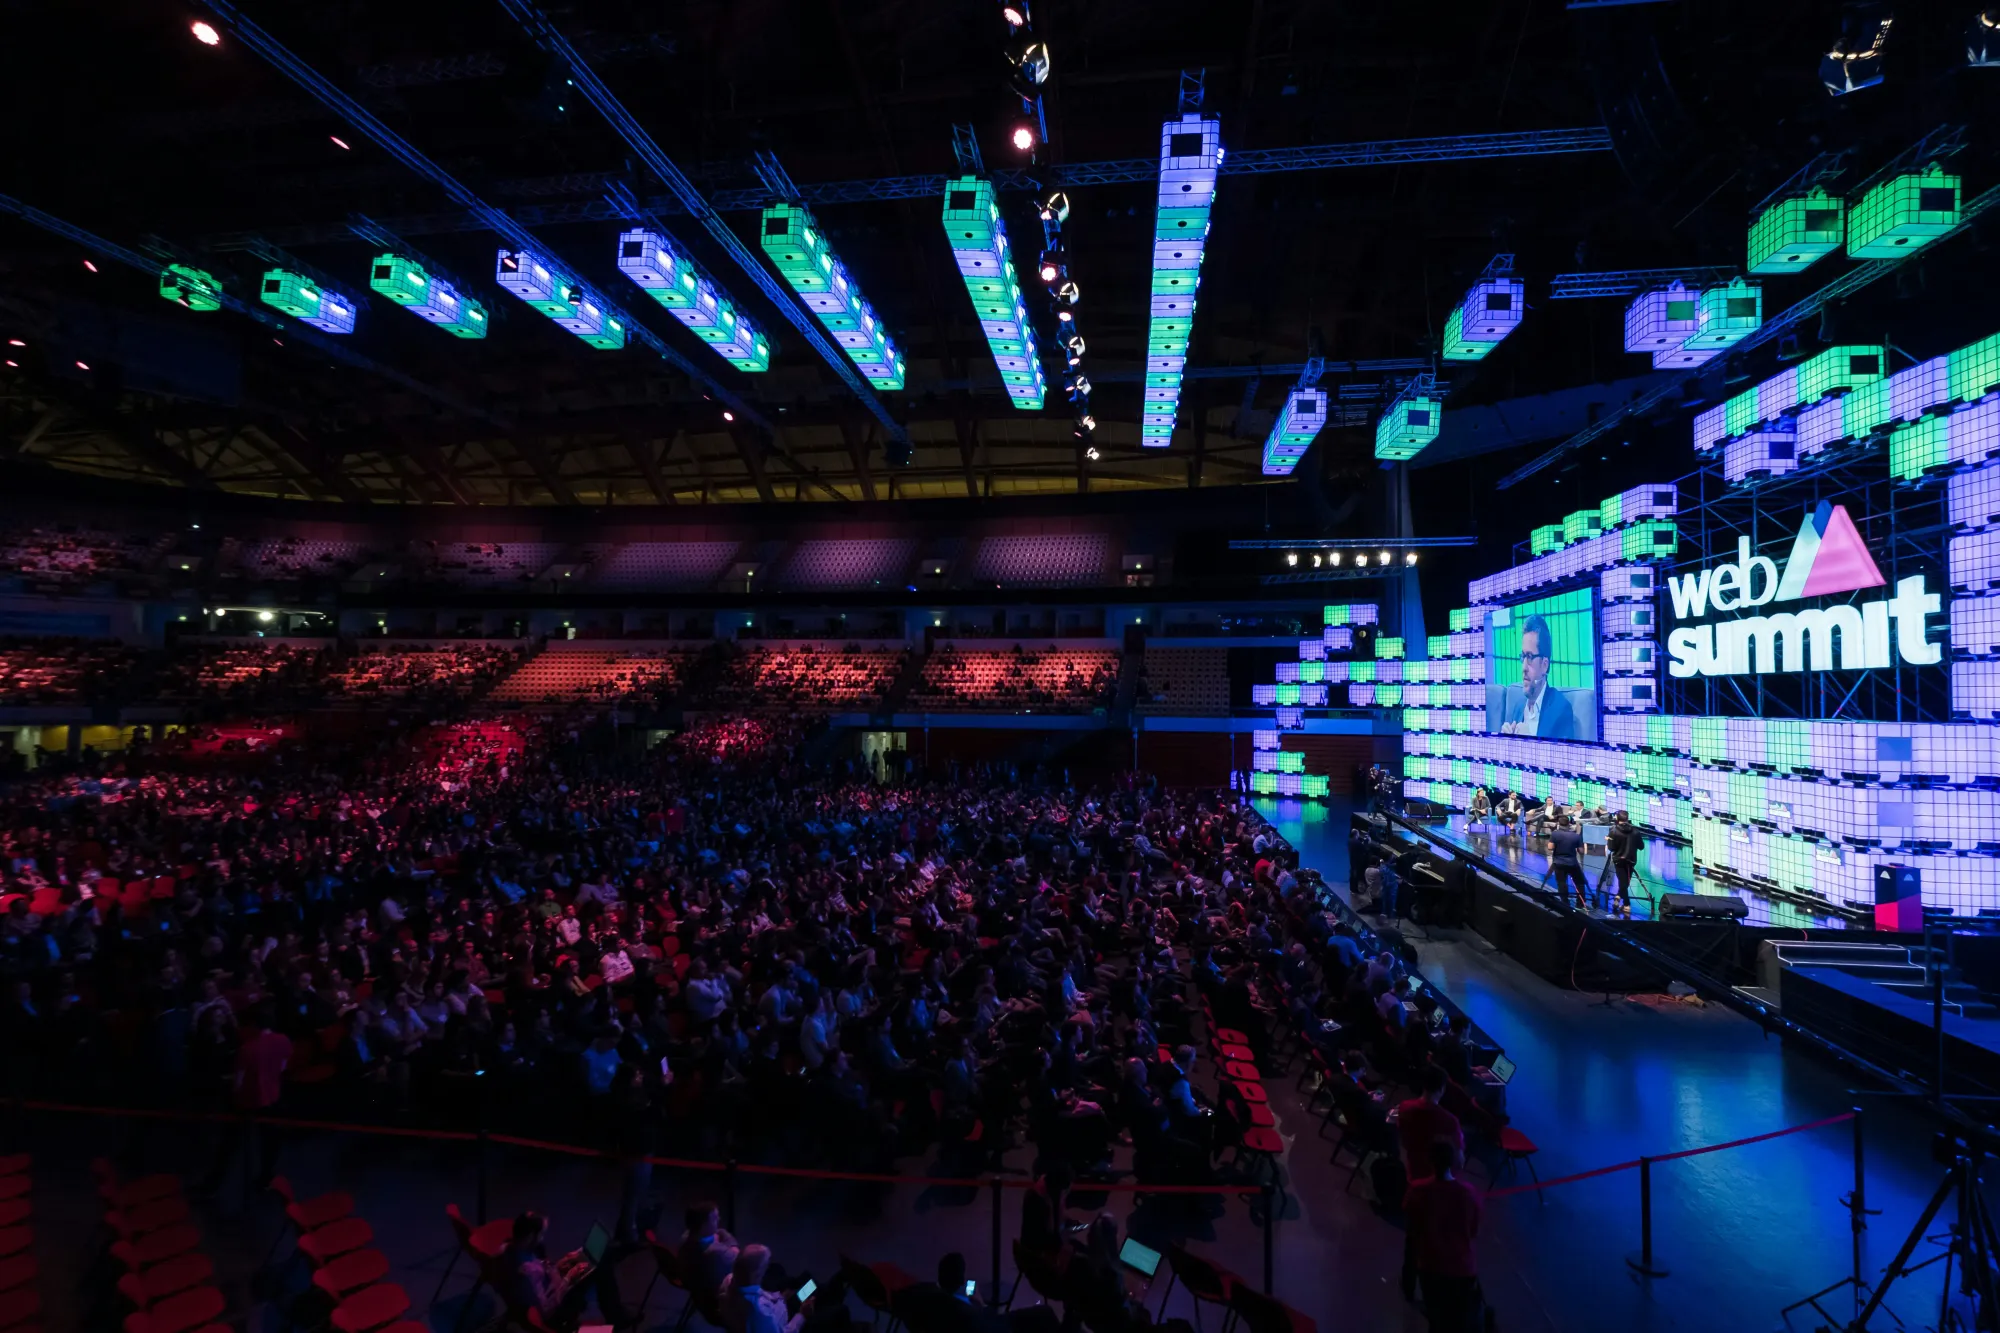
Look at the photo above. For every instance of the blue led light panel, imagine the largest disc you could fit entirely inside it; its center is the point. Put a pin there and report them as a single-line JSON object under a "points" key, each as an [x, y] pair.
{"points": [[671, 278], [798, 250], [537, 280], [1303, 417], [427, 296], [979, 246], [1190, 156], [1489, 312]]}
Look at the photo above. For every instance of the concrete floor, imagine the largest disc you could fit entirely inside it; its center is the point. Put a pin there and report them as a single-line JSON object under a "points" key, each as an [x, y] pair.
{"points": [[1743, 1233]]}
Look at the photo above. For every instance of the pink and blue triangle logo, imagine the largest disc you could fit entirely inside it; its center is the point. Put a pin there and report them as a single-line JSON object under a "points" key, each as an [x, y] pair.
{"points": [[1828, 557]]}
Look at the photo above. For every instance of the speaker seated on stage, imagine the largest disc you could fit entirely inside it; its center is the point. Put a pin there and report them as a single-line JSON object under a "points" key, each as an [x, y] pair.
{"points": [[1481, 808]]}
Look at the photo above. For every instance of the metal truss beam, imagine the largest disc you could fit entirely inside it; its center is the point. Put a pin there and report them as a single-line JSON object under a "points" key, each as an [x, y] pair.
{"points": [[1248, 162], [1630, 282]]}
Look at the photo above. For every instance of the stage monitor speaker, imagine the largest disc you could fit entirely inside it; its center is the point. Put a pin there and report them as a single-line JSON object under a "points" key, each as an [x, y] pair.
{"points": [[1709, 906]]}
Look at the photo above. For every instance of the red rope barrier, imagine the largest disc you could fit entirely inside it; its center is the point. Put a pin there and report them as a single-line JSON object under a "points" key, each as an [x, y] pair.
{"points": [[812, 1173], [576, 1150], [1670, 1156]]}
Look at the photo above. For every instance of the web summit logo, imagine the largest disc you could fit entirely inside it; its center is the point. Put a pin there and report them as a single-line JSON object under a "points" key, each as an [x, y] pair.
{"points": [[1828, 558]]}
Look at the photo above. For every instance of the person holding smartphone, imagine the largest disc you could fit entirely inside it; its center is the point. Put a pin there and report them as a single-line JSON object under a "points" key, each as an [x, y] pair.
{"points": [[748, 1308]]}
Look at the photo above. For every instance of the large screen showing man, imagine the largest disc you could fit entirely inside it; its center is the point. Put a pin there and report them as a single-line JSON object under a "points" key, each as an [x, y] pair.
{"points": [[1542, 668]]}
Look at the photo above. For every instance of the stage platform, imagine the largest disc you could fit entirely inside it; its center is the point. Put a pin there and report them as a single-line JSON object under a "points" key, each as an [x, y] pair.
{"points": [[1664, 868]]}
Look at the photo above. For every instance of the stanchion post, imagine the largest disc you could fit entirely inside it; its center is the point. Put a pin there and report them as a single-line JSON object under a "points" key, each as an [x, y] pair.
{"points": [[1270, 1232], [1860, 1176], [479, 1150], [729, 1193], [1642, 1262], [994, 1300]]}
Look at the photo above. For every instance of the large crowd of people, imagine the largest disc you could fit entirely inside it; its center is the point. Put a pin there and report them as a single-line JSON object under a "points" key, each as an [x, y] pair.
{"points": [[687, 950]]}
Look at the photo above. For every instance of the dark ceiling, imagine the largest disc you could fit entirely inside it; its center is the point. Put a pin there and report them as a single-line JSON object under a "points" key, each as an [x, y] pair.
{"points": [[123, 125]]}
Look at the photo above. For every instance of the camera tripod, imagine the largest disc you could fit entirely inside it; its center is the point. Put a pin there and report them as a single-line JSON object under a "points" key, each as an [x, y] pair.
{"points": [[1971, 1246]]}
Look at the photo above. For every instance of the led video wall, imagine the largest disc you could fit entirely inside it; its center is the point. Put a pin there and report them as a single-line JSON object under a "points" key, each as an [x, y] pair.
{"points": [[1805, 808]]}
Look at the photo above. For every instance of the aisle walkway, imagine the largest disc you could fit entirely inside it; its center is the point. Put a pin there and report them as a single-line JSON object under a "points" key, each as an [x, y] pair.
{"points": [[1744, 1233]]}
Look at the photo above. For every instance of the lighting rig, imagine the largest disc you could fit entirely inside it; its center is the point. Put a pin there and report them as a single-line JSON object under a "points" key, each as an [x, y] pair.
{"points": [[1190, 158], [298, 289], [550, 288], [1299, 422], [1411, 421], [1489, 312], [1028, 64], [419, 284], [798, 249], [653, 260], [979, 246]]}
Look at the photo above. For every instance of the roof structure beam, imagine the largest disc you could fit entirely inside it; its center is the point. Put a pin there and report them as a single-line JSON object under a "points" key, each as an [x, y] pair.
{"points": [[1253, 161]]}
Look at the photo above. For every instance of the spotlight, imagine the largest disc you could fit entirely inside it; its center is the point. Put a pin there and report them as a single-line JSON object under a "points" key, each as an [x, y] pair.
{"points": [[1361, 562], [92, 267], [729, 416], [205, 33], [1068, 293], [510, 263], [1023, 138], [1382, 559], [1078, 388], [1052, 265], [339, 142], [81, 366], [1092, 454], [1055, 207], [15, 342], [1409, 557], [1291, 557], [1073, 344], [266, 617], [1982, 40], [1315, 562], [1029, 60], [1334, 560], [1854, 61], [1086, 422], [1016, 15], [1064, 316]]}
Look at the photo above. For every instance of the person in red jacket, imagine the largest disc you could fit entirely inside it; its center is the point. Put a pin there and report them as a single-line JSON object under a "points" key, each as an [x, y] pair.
{"points": [[1420, 1122], [1442, 1213]]}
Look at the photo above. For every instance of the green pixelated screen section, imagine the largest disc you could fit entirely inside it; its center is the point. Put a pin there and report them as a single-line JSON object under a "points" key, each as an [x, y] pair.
{"points": [[1572, 652]]}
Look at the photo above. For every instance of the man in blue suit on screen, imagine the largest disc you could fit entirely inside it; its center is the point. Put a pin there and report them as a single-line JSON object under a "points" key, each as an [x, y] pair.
{"points": [[1532, 708]]}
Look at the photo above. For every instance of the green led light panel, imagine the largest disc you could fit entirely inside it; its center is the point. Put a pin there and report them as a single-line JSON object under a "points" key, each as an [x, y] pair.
{"points": [[979, 246], [1409, 425], [1794, 234], [798, 250], [1903, 214], [190, 287]]}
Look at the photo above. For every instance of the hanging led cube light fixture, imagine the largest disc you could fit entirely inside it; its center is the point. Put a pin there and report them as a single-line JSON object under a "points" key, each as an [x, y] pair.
{"points": [[1660, 320], [186, 285], [537, 280], [1190, 157], [1489, 312], [798, 250], [427, 296], [979, 246], [1725, 316], [1298, 424], [1794, 234], [668, 276], [306, 301], [1903, 214], [1411, 422]]}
